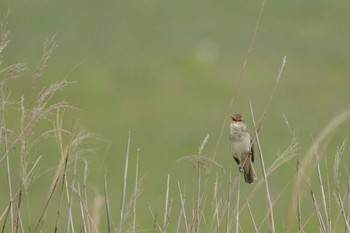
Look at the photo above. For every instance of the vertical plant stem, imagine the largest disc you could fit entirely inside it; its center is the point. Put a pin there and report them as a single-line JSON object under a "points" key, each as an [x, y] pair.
{"points": [[166, 211], [238, 201], [135, 191], [122, 206], [109, 226], [182, 200], [325, 209], [269, 202], [82, 211], [252, 217], [70, 201], [197, 210], [216, 218], [298, 201]]}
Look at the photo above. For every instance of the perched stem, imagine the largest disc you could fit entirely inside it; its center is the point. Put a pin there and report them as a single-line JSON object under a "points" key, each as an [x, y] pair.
{"points": [[269, 202]]}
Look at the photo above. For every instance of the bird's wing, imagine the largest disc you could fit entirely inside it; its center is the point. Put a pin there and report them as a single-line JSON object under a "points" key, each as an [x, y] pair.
{"points": [[233, 153]]}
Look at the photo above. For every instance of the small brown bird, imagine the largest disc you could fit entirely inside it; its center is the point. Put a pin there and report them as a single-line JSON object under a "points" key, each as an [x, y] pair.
{"points": [[242, 147]]}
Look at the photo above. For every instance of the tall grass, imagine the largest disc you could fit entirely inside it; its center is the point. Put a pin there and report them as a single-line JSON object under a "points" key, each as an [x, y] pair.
{"points": [[204, 207]]}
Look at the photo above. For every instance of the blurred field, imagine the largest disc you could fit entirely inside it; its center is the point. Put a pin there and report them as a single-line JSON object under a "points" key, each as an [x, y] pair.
{"points": [[166, 71]]}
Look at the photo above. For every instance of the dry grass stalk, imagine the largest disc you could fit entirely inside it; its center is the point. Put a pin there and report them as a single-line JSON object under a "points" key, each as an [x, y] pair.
{"points": [[108, 212], [318, 212], [306, 163], [183, 210], [167, 206], [82, 211], [96, 209], [123, 197], [269, 202], [155, 220], [135, 193], [338, 197], [253, 220], [326, 223], [216, 205], [237, 204], [70, 196]]}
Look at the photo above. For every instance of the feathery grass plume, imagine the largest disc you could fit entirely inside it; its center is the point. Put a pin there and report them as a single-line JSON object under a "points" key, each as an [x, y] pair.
{"points": [[48, 48], [26, 137], [4, 41], [306, 166], [12, 71]]}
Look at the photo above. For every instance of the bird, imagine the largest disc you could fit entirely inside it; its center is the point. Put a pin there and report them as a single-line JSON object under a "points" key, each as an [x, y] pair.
{"points": [[242, 147]]}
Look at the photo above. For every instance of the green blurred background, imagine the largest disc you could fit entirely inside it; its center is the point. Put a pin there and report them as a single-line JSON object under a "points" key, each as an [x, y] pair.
{"points": [[167, 70]]}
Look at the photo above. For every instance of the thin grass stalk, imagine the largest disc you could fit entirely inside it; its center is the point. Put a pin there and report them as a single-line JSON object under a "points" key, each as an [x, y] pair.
{"points": [[318, 212], [82, 211], [271, 95], [329, 204], [4, 141], [20, 223], [269, 202], [348, 199], [252, 217], [122, 206], [299, 202], [135, 190], [70, 197], [9, 181], [166, 210], [155, 222], [200, 188], [23, 163], [337, 159], [238, 201], [182, 200], [46, 206], [342, 210], [306, 164], [266, 217], [64, 173], [108, 213], [325, 209], [62, 164], [85, 192], [286, 156], [246, 58], [228, 205], [198, 198], [337, 220], [6, 214], [178, 225], [215, 217]]}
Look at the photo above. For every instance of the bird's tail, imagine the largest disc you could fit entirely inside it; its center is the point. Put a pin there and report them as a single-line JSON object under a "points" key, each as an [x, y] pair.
{"points": [[248, 169]]}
